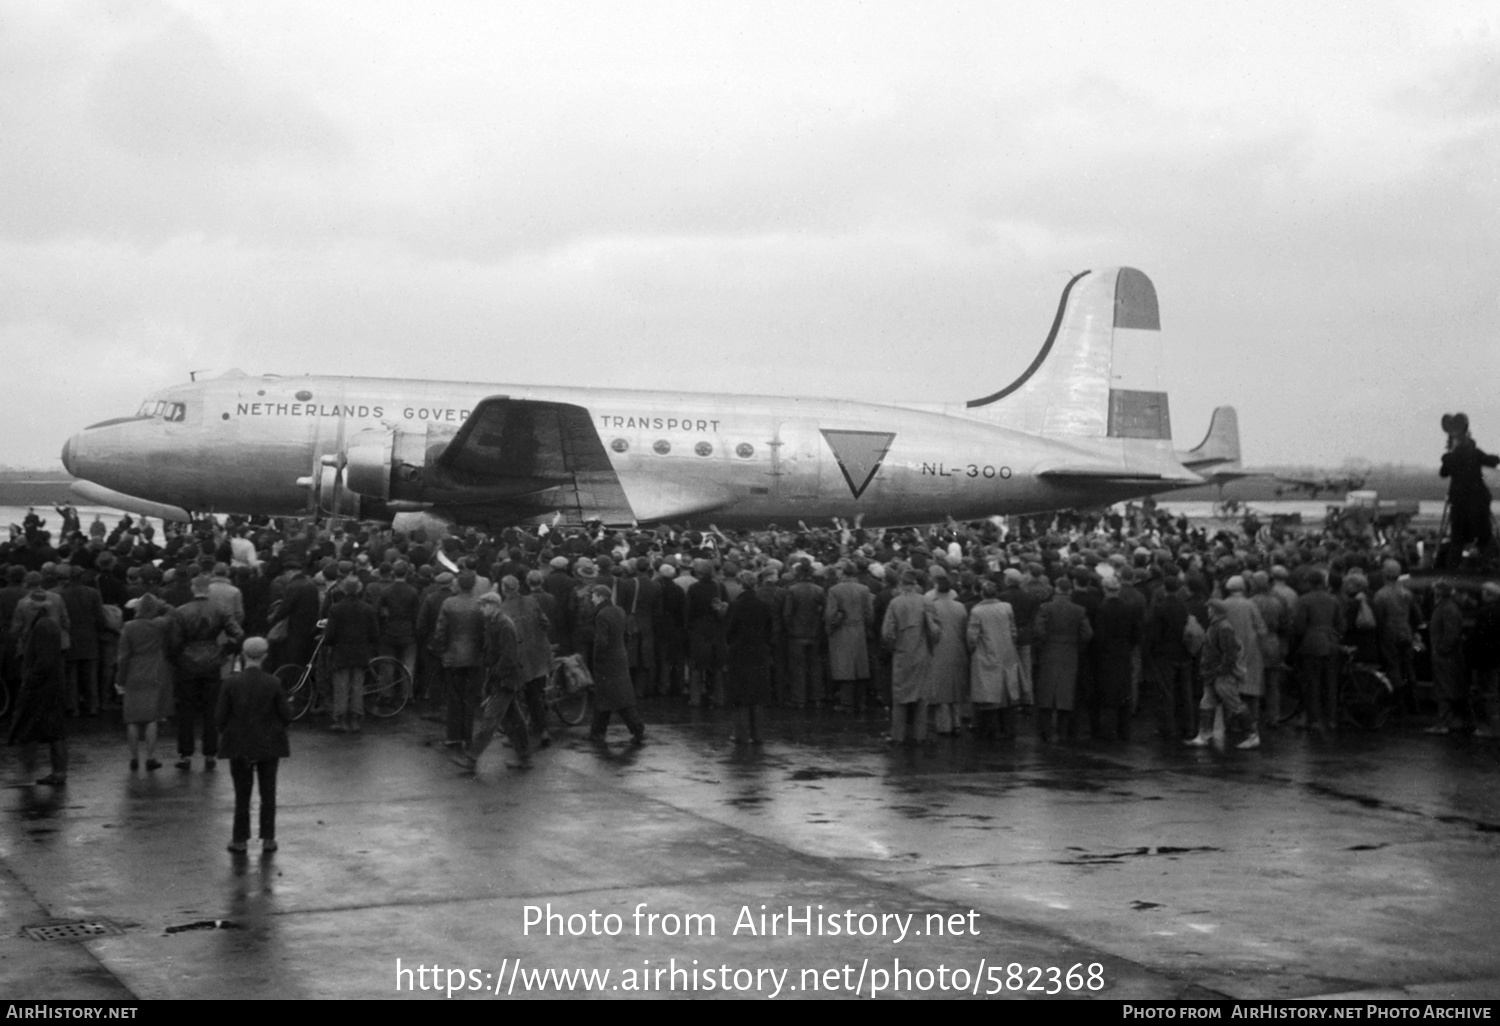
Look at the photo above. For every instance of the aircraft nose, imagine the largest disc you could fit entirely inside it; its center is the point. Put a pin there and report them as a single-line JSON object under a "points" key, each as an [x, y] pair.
{"points": [[67, 455]]}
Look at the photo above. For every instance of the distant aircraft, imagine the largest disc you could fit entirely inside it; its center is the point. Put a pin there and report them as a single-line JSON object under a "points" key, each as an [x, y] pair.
{"points": [[1086, 424]]}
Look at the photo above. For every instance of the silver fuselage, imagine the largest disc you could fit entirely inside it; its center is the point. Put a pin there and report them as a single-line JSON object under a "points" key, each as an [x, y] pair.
{"points": [[250, 444]]}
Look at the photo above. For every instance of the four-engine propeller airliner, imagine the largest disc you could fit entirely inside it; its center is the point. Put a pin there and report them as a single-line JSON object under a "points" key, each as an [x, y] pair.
{"points": [[1085, 424]]}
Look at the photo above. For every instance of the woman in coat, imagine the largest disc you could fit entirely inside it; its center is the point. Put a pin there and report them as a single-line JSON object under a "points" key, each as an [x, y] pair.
{"points": [[996, 684], [747, 632], [1063, 632], [144, 676]]}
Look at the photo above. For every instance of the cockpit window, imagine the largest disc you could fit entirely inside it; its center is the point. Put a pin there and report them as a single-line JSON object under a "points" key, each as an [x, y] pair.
{"points": [[174, 412]]}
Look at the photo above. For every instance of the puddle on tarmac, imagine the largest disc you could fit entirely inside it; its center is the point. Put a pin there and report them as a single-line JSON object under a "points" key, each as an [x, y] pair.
{"points": [[819, 773]]}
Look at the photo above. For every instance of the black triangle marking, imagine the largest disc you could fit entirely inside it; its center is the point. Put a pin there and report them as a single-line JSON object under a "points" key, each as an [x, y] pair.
{"points": [[859, 454]]}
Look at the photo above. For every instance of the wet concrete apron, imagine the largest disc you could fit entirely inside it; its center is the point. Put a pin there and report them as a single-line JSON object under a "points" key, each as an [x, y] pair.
{"points": [[1360, 864]]}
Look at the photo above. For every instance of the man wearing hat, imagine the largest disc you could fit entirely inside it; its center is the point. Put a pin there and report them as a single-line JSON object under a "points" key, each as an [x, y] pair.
{"points": [[581, 609], [352, 637], [802, 623], [1117, 638], [1468, 497], [300, 607], [251, 715], [1448, 678], [197, 627], [611, 669], [1486, 658], [707, 602], [670, 631], [849, 617], [1396, 621], [38, 716], [398, 606], [1317, 632], [459, 639], [560, 584]]}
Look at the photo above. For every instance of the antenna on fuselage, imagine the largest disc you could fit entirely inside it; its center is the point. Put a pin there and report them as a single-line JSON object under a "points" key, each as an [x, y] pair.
{"points": [[193, 374]]}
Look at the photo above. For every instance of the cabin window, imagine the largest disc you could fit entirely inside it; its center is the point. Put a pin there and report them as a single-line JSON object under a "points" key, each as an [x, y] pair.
{"points": [[619, 445], [662, 447], [744, 450], [703, 449]]}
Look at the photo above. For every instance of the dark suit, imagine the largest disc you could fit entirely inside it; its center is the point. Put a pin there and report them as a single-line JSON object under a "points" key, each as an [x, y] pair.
{"points": [[252, 715]]}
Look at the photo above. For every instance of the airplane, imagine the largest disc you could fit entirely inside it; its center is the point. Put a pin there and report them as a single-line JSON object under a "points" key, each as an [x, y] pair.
{"points": [[1086, 424]]}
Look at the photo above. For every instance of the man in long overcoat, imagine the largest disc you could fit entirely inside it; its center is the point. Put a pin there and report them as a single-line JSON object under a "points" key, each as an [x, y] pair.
{"points": [[849, 616], [612, 690], [948, 678], [1063, 633], [997, 683], [908, 629]]}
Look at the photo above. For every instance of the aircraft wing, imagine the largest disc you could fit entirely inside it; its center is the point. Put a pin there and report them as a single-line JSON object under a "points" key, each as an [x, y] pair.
{"points": [[542, 446]]}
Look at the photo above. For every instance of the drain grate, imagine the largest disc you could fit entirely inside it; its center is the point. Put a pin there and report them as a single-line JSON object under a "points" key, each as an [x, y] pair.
{"points": [[78, 930]]}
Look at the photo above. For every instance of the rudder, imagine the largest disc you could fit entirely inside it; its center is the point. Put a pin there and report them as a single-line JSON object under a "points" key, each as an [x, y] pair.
{"points": [[1096, 374]]}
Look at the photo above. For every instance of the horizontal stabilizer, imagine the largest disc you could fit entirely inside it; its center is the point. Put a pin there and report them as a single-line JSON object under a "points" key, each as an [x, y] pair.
{"points": [[1114, 473]]}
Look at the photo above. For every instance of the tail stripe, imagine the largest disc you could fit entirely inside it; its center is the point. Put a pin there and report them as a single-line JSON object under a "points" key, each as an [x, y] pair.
{"points": [[1041, 357]]}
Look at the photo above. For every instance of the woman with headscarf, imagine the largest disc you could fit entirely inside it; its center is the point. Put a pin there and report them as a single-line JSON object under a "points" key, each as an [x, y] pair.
{"points": [[144, 677]]}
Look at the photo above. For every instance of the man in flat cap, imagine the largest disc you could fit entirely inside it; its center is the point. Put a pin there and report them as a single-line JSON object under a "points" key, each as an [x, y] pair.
{"points": [[252, 715]]}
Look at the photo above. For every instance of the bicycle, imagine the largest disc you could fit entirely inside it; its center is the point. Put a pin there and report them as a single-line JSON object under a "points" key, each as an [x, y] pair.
{"points": [[1364, 695], [387, 684], [568, 700]]}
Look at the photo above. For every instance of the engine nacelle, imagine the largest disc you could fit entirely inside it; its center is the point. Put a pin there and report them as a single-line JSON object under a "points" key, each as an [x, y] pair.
{"points": [[367, 463]]}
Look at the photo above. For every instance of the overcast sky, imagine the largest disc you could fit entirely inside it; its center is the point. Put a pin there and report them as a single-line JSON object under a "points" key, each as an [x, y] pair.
{"points": [[866, 200]]}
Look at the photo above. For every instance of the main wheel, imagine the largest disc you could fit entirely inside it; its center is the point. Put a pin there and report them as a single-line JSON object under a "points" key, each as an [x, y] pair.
{"points": [[297, 683], [387, 686], [1365, 698]]}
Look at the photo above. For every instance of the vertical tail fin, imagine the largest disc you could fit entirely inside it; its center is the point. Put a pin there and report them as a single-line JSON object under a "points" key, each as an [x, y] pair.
{"points": [[1220, 448], [1096, 374]]}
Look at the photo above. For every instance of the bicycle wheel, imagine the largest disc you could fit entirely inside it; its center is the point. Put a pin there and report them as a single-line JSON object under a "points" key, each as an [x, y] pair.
{"points": [[387, 686], [1364, 697], [297, 683], [570, 708]]}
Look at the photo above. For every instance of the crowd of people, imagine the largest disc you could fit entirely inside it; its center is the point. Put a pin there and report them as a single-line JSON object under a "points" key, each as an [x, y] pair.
{"points": [[1093, 622]]}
